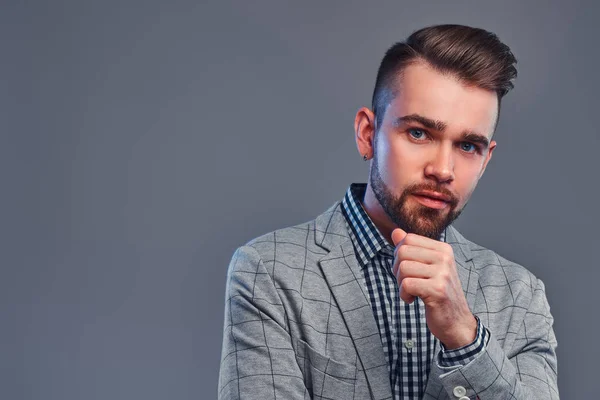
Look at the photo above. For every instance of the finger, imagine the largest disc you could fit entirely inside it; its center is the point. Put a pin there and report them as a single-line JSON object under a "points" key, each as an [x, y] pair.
{"points": [[397, 236], [417, 253], [422, 241], [407, 298], [429, 290], [413, 287], [413, 269], [405, 291]]}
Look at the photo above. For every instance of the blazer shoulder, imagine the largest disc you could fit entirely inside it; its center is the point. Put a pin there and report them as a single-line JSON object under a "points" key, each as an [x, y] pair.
{"points": [[296, 234], [300, 239], [287, 244]]}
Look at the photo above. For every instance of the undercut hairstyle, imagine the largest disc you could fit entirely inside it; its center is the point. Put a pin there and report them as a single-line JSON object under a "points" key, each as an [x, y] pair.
{"points": [[474, 56]]}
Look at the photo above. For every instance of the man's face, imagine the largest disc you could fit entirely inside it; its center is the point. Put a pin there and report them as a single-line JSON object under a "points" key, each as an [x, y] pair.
{"points": [[431, 149]]}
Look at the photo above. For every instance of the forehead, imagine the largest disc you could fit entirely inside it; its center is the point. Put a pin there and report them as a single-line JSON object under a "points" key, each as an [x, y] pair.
{"points": [[424, 91]]}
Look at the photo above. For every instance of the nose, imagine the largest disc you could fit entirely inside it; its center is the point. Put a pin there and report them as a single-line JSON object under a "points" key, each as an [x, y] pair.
{"points": [[441, 164]]}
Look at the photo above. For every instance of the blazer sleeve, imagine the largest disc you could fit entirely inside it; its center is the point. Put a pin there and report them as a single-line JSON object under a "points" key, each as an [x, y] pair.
{"points": [[257, 357], [529, 373]]}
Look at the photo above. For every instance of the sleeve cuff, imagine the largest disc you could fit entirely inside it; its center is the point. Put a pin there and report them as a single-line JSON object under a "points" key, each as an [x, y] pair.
{"points": [[464, 355]]}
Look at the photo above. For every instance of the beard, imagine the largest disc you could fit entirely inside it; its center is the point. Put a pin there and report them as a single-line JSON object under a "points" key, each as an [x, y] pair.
{"points": [[415, 218]]}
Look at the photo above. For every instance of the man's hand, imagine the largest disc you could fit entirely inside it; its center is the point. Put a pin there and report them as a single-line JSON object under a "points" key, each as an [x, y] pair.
{"points": [[425, 268]]}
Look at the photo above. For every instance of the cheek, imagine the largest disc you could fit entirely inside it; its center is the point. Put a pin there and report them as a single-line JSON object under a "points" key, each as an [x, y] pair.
{"points": [[401, 159], [406, 154], [466, 178]]}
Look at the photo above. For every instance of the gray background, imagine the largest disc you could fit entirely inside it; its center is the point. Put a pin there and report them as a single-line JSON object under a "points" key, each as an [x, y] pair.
{"points": [[143, 141]]}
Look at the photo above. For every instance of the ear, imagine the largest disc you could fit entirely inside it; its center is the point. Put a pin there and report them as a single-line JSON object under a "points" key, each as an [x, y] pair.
{"points": [[364, 129], [488, 157]]}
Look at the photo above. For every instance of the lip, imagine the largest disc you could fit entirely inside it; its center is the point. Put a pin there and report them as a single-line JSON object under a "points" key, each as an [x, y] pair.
{"points": [[431, 201], [434, 195]]}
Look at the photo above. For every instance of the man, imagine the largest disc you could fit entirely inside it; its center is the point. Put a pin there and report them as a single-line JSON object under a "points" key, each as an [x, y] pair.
{"points": [[380, 297]]}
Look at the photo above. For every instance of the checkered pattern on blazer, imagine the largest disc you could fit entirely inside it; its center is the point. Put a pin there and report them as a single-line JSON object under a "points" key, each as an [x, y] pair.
{"points": [[299, 325]]}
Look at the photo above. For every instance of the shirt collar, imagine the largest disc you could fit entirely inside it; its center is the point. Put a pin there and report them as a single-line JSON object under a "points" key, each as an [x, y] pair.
{"points": [[365, 236]]}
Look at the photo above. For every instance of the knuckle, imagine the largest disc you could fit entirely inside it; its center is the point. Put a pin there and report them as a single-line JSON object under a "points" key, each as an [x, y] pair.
{"points": [[447, 258], [445, 276], [440, 289]]}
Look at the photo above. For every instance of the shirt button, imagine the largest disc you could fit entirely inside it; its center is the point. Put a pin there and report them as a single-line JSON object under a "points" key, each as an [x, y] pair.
{"points": [[460, 391], [409, 344]]}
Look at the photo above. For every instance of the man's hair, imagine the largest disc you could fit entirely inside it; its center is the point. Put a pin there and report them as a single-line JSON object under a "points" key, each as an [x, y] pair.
{"points": [[473, 55]]}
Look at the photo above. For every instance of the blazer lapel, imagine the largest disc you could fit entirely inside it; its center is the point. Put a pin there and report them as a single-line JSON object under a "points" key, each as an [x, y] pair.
{"points": [[344, 277], [464, 264]]}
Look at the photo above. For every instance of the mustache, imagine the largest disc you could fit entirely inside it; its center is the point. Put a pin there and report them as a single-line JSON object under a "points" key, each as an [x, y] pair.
{"points": [[418, 187]]}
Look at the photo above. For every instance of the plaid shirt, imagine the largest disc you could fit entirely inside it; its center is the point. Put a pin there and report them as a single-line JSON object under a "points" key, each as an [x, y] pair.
{"points": [[407, 342]]}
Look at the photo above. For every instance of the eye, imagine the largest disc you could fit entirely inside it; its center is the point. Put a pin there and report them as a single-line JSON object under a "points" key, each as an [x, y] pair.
{"points": [[417, 134], [469, 147]]}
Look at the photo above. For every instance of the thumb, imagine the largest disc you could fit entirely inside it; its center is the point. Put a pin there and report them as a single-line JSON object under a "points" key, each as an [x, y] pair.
{"points": [[397, 236]]}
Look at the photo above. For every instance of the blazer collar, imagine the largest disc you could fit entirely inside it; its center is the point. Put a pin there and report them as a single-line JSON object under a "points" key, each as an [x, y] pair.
{"points": [[330, 227]]}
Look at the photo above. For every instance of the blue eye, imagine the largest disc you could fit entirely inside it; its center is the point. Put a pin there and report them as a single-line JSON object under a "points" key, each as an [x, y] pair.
{"points": [[468, 147], [416, 133]]}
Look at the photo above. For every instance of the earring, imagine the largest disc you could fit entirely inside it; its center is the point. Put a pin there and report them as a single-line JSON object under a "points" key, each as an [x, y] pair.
{"points": [[365, 158]]}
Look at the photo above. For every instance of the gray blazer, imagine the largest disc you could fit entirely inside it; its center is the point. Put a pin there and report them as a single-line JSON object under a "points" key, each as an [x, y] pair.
{"points": [[299, 324]]}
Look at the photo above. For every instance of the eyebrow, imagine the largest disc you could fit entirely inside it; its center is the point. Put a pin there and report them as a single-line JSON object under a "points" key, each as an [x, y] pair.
{"points": [[434, 124]]}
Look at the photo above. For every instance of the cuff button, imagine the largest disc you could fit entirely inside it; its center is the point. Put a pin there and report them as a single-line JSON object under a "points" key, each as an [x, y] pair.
{"points": [[460, 391]]}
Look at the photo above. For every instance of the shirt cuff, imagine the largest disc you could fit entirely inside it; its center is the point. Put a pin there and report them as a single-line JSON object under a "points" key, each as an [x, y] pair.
{"points": [[464, 355]]}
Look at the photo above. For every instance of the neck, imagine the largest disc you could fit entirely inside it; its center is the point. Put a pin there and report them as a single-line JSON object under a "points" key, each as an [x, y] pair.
{"points": [[378, 215]]}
